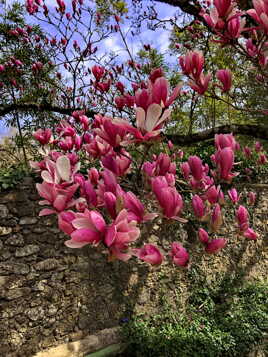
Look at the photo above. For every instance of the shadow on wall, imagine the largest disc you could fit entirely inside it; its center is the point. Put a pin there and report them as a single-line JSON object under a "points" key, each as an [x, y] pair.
{"points": [[50, 294]]}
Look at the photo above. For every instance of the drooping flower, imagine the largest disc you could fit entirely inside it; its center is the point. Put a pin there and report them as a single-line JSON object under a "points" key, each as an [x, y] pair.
{"points": [[233, 195], [215, 245], [119, 235], [216, 218], [250, 234], [168, 198], [203, 236], [225, 77], [89, 229], [179, 255], [43, 136], [198, 206], [242, 218], [149, 253]]}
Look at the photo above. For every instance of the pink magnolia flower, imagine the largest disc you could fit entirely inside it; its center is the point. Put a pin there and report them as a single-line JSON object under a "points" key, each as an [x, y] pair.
{"points": [[98, 147], [216, 218], [66, 144], [225, 162], [161, 166], [262, 159], [252, 198], [215, 245], [43, 136], [98, 72], [233, 195], [89, 229], [225, 77], [258, 146], [198, 206], [192, 63], [93, 175], [247, 151], [119, 235], [250, 234], [65, 221], [117, 163], [156, 73], [156, 93], [252, 50], [200, 85], [149, 253], [212, 194], [148, 124], [160, 91], [164, 165], [90, 194], [60, 199], [242, 218], [111, 132], [223, 7], [110, 203], [168, 198], [260, 13], [203, 236], [179, 255], [136, 211], [234, 27], [196, 167], [185, 169], [225, 140], [60, 171]]}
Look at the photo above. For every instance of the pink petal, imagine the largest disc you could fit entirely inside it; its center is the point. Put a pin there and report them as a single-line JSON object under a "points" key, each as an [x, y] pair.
{"points": [[85, 235], [46, 212]]}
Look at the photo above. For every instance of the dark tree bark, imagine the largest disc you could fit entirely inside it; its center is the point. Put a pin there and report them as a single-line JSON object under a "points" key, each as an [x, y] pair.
{"points": [[255, 131], [189, 7], [28, 107]]}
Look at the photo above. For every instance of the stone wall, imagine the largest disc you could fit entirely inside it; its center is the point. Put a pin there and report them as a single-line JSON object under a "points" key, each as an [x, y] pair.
{"points": [[50, 294]]}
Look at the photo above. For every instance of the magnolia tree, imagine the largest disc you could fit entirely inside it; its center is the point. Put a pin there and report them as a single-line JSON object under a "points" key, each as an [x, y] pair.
{"points": [[110, 178]]}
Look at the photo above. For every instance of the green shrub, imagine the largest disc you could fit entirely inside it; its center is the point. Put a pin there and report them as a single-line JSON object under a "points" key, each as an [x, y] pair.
{"points": [[10, 177], [215, 324]]}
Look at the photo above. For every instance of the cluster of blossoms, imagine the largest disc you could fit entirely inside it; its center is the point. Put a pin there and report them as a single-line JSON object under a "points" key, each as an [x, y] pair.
{"points": [[228, 23], [130, 188]]}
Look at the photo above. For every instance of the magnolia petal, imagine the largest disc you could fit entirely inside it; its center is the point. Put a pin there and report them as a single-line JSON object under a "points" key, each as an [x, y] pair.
{"points": [[165, 116], [153, 114], [63, 166], [72, 244], [140, 118], [97, 220], [60, 202], [150, 216], [80, 223], [46, 212], [179, 219], [46, 176], [85, 235], [110, 235]]}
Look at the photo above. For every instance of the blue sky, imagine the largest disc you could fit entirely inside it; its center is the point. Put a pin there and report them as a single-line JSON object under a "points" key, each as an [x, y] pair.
{"points": [[158, 39]]}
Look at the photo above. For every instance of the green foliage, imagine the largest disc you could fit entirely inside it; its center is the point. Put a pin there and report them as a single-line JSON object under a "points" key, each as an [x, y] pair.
{"points": [[114, 7], [150, 60], [10, 177], [223, 321]]}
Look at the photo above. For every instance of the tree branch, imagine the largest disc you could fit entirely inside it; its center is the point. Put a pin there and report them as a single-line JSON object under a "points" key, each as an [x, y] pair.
{"points": [[40, 107], [189, 7], [255, 131]]}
